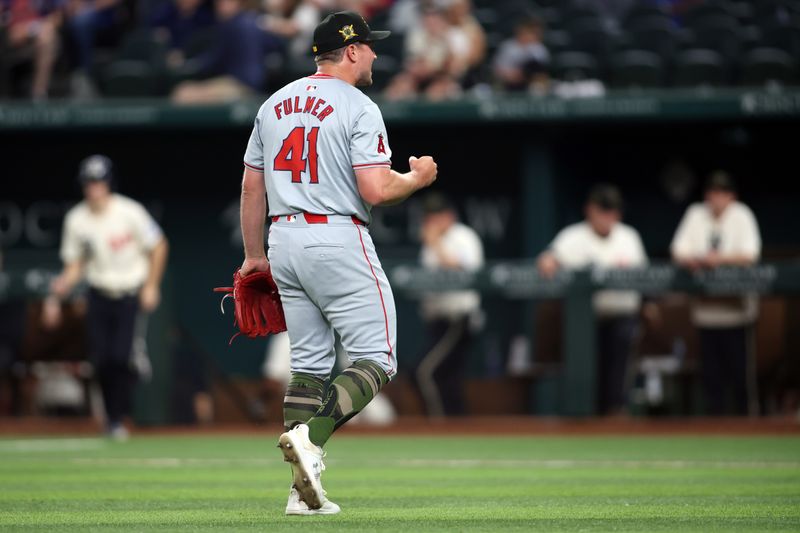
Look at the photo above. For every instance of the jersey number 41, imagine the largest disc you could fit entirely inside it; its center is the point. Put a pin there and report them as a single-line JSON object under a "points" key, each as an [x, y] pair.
{"points": [[290, 156]]}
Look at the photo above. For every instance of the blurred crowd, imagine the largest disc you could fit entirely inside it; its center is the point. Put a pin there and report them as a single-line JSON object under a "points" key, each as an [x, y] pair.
{"points": [[218, 50]]}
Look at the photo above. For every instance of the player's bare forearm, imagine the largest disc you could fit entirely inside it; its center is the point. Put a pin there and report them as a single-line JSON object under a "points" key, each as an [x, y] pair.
{"points": [[158, 263], [150, 294], [66, 281], [381, 186], [253, 214], [398, 187], [252, 217]]}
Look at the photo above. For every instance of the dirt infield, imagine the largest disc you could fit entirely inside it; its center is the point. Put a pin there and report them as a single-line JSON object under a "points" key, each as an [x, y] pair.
{"points": [[457, 426]]}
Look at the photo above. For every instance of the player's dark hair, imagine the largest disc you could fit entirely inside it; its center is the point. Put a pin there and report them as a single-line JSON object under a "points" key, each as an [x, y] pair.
{"points": [[334, 56], [719, 180], [435, 202], [606, 197], [530, 22]]}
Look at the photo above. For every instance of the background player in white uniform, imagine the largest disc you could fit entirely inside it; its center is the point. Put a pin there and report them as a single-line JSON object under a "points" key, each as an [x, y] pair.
{"points": [[320, 151], [450, 317], [722, 231], [603, 241], [114, 242]]}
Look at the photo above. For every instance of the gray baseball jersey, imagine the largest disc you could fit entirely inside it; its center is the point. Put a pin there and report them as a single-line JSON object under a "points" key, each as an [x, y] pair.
{"points": [[309, 138]]}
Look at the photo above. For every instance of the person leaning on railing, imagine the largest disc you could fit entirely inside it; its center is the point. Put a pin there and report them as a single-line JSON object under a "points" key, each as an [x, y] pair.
{"points": [[721, 231], [602, 240]]}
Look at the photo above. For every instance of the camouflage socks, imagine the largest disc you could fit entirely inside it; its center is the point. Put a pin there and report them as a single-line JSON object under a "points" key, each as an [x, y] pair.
{"points": [[348, 394], [303, 398]]}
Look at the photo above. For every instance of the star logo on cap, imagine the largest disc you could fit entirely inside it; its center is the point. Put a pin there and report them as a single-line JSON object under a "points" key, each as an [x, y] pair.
{"points": [[348, 32]]}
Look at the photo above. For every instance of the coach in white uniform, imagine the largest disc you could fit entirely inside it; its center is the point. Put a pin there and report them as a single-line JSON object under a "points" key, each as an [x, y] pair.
{"points": [[721, 231], [114, 243], [320, 151], [447, 244], [603, 241]]}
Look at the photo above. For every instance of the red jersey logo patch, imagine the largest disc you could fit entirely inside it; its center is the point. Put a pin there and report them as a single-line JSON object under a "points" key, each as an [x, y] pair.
{"points": [[381, 147]]}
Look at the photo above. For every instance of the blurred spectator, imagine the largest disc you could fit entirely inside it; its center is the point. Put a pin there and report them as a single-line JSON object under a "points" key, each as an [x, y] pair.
{"points": [[294, 20], [430, 62], [120, 249], [521, 62], [718, 232], [404, 15], [234, 67], [85, 20], [467, 38], [33, 35], [367, 8], [174, 22], [447, 244], [611, 12], [603, 241]]}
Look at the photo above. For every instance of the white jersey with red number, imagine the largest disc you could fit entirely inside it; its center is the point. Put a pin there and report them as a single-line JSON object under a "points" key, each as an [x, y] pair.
{"points": [[114, 244], [309, 138]]}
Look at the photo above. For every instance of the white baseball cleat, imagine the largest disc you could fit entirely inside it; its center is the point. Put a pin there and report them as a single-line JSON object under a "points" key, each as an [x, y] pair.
{"points": [[306, 460], [295, 506]]}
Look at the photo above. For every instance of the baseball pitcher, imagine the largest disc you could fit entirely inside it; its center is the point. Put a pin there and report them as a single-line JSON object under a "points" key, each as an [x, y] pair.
{"points": [[320, 152]]}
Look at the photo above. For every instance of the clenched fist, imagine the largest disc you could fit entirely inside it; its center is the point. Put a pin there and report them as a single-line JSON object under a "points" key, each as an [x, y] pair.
{"points": [[424, 168]]}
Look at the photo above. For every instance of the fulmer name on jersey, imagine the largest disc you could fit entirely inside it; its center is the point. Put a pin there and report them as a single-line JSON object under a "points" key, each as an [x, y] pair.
{"points": [[312, 106]]}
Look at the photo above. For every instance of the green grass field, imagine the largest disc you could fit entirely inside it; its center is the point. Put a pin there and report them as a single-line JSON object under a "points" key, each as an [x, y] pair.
{"points": [[398, 484]]}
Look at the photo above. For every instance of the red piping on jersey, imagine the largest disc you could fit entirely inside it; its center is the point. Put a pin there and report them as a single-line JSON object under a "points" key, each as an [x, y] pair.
{"points": [[251, 167], [382, 164], [319, 75], [383, 305]]}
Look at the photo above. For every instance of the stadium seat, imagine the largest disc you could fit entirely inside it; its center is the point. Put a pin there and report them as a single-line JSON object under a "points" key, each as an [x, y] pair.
{"points": [[557, 41], [783, 36], [551, 17], [582, 15], [393, 46], [129, 79], [574, 66], [700, 68], [775, 12], [589, 35], [752, 37], [705, 10], [743, 11], [720, 33], [637, 69], [510, 12], [200, 42], [141, 45], [642, 13], [768, 65], [656, 35]]}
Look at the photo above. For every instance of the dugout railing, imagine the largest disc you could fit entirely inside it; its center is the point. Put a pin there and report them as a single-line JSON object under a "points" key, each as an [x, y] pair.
{"points": [[519, 280]]}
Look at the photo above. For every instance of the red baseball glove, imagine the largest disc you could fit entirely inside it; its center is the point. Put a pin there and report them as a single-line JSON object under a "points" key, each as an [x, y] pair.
{"points": [[258, 310]]}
